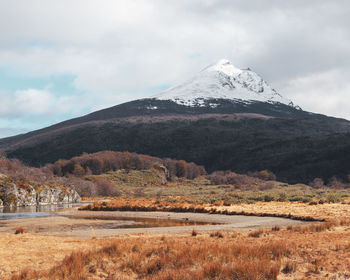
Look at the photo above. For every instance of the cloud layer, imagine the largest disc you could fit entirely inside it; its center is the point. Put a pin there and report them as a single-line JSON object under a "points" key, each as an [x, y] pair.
{"points": [[121, 50]]}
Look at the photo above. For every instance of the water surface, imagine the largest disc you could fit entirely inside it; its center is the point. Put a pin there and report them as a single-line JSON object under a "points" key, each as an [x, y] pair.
{"points": [[9, 213]]}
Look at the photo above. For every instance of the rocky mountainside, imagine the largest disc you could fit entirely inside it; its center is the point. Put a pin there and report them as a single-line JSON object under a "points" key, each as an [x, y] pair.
{"points": [[222, 118], [17, 194]]}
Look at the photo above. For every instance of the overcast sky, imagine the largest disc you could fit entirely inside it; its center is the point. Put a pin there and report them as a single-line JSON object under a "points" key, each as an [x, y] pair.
{"points": [[61, 59]]}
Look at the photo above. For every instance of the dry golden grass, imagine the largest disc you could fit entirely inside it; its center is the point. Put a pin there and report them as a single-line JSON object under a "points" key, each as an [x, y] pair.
{"points": [[36, 251], [286, 254]]}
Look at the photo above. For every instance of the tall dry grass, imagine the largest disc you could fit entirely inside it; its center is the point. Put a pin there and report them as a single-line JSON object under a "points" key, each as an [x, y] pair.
{"points": [[168, 258]]}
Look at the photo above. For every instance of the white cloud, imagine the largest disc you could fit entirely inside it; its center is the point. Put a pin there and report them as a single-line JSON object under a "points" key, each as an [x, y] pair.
{"points": [[26, 103], [324, 92], [119, 50]]}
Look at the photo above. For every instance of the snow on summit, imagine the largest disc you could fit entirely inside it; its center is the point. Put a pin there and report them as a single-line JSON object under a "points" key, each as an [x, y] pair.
{"points": [[223, 80]]}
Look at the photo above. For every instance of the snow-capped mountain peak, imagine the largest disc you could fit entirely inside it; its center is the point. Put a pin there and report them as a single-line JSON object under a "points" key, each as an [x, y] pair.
{"points": [[223, 80]]}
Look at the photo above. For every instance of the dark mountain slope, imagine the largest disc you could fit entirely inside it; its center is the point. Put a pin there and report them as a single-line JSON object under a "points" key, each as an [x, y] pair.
{"points": [[154, 107], [297, 150]]}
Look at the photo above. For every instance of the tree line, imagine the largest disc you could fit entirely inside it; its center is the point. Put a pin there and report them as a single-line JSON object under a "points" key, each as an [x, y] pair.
{"points": [[105, 161]]}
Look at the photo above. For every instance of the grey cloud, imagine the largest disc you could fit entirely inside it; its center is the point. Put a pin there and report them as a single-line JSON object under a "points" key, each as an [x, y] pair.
{"points": [[118, 50]]}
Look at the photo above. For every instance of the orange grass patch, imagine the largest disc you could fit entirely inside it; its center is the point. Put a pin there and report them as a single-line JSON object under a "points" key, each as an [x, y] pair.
{"points": [[292, 210]]}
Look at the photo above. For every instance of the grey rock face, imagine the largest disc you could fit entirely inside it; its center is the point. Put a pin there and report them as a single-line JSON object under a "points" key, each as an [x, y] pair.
{"points": [[57, 195], [12, 195]]}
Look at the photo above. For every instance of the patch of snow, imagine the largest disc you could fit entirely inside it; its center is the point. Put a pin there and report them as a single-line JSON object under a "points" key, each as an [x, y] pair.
{"points": [[213, 105], [223, 80], [151, 107]]}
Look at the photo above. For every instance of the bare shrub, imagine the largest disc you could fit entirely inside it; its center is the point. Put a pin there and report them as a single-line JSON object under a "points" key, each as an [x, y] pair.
{"points": [[336, 183], [83, 187], [229, 177], [106, 188], [317, 183]]}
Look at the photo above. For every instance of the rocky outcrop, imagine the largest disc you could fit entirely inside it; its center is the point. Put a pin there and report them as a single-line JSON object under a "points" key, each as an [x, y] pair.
{"points": [[162, 172], [17, 195], [56, 195]]}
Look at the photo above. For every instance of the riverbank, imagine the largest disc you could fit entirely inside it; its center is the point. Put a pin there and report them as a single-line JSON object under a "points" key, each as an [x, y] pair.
{"points": [[88, 224]]}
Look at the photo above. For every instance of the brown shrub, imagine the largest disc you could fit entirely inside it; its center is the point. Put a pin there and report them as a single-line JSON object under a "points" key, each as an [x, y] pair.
{"points": [[217, 234], [256, 233], [19, 230], [276, 228], [290, 267]]}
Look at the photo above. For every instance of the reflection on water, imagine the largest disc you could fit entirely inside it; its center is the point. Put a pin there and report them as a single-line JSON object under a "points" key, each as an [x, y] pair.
{"points": [[7, 213], [138, 222]]}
